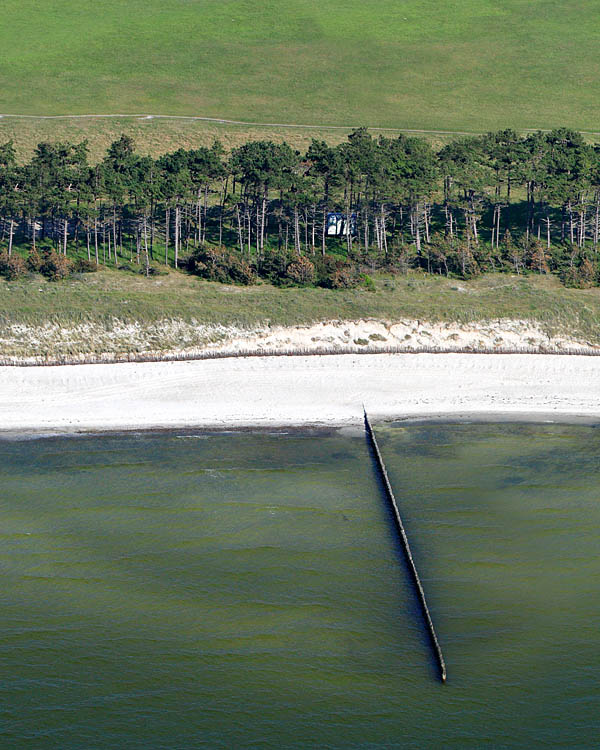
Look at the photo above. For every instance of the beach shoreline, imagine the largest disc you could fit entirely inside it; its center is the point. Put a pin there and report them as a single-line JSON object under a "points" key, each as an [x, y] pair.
{"points": [[298, 392]]}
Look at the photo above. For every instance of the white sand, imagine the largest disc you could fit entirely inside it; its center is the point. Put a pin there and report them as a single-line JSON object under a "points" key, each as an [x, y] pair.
{"points": [[114, 340], [275, 391]]}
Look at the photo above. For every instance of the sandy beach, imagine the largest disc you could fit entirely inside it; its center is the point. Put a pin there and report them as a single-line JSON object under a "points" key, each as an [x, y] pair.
{"points": [[285, 391]]}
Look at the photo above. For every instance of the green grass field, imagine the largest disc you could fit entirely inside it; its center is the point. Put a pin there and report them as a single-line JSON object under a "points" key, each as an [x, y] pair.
{"points": [[453, 64]]}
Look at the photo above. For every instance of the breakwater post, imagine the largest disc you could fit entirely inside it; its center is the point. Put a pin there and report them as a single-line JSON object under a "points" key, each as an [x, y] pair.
{"points": [[404, 539]]}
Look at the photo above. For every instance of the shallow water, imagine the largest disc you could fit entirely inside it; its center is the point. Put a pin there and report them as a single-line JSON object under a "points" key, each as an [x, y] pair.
{"points": [[247, 590]]}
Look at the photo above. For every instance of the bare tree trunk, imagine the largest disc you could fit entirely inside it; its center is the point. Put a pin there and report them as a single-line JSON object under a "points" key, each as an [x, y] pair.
{"points": [[205, 210], [297, 231], [96, 237], [239, 223], [10, 237], [262, 222], [114, 228], [571, 226], [64, 242], [222, 209], [417, 230], [498, 227], [347, 225], [305, 214], [249, 237], [146, 256], [167, 228], [198, 233], [582, 224], [383, 231], [177, 222]]}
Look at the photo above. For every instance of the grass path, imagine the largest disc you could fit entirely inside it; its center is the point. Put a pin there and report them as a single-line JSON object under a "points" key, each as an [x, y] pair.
{"points": [[220, 120], [293, 125]]}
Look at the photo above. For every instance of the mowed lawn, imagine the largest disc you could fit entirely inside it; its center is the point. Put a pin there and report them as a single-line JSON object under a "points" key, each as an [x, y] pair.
{"points": [[433, 64]]}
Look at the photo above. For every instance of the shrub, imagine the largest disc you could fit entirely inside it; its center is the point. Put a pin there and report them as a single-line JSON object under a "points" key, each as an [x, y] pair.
{"points": [[154, 271], [34, 261], [583, 276], [272, 266], [538, 257], [221, 264], [83, 265], [55, 266], [300, 271], [367, 282], [12, 267], [335, 273], [461, 260]]}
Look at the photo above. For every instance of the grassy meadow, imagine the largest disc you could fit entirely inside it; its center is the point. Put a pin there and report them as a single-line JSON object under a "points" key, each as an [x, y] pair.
{"points": [[157, 136], [467, 65]]}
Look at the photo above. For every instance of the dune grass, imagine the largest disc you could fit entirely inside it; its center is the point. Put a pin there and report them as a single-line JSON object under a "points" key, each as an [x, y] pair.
{"points": [[457, 65], [101, 298]]}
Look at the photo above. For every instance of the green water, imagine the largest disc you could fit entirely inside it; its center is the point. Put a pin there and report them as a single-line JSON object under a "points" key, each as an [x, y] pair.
{"points": [[247, 590]]}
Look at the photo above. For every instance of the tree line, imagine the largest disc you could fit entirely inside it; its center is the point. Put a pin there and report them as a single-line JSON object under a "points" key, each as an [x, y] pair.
{"points": [[501, 201]]}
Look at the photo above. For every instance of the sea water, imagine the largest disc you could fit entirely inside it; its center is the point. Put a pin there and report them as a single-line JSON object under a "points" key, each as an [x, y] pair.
{"points": [[247, 590]]}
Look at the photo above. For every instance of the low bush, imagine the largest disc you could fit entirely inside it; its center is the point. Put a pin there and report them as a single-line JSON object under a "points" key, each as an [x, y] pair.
{"points": [[336, 273], [583, 276], [272, 266], [12, 266], [34, 261], [56, 267], [367, 282], [154, 271], [300, 271], [83, 265], [221, 264]]}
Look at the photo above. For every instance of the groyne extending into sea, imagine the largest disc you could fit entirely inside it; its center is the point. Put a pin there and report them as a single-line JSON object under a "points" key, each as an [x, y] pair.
{"points": [[382, 471]]}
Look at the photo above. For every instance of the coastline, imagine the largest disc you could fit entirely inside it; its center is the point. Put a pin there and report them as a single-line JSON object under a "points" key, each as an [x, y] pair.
{"points": [[269, 392]]}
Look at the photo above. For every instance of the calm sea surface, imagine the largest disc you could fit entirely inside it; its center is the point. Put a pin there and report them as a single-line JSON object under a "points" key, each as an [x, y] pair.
{"points": [[247, 590]]}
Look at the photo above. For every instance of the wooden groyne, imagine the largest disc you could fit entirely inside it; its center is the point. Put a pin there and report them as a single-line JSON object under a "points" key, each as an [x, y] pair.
{"points": [[404, 539]]}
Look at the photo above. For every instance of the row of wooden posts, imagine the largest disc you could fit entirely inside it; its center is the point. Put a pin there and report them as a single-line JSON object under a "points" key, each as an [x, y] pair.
{"points": [[383, 475]]}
